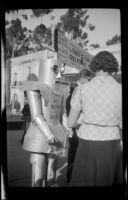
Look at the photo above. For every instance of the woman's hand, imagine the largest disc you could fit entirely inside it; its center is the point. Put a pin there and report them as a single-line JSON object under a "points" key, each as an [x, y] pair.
{"points": [[68, 130]]}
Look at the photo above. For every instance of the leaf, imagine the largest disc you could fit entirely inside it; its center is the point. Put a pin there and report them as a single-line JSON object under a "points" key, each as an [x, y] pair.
{"points": [[84, 35], [91, 27], [40, 12], [73, 21], [95, 45], [85, 43], [25, 17], [115, 39]]}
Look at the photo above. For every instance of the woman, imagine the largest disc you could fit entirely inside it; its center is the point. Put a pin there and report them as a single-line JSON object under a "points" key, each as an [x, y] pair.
{"points": [[98, 160], [84, 76], [15, 104]]}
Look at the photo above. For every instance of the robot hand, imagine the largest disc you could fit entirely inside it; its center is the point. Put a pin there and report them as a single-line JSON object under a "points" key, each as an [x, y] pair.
{"points": [[54, 142]]}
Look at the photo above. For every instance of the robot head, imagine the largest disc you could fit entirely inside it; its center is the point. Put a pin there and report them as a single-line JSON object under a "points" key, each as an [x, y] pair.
{"points": [[49, 71]]}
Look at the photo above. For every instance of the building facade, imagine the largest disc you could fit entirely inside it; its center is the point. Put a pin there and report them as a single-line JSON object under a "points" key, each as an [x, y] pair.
{"points": [[21, 68]]}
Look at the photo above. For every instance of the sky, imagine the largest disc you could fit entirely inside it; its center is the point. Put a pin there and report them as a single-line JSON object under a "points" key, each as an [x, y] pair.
{"points": [[106, 21]]}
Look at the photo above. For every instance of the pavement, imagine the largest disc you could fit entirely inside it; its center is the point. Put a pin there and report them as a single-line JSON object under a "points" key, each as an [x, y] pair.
{"points": [[19, 169]]}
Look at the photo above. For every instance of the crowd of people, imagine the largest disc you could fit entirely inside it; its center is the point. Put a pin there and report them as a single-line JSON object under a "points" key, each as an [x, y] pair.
{"points": [[94, 118]]}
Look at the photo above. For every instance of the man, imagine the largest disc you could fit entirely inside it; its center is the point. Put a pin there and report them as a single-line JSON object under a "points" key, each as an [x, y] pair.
{"points": [[45, 134]]}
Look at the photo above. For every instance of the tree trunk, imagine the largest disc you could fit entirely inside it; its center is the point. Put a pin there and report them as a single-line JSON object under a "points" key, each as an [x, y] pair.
{"points": [[41, 19], [13, 52], [7, 82], [13, 48]]}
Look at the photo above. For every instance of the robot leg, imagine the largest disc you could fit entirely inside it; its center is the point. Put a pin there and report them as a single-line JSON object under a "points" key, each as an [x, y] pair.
{"points": [[39, 169], [51, 172]]}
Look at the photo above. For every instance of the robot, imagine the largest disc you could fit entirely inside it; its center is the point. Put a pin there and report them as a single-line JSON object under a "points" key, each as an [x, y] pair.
{"points": [[48, 129]]}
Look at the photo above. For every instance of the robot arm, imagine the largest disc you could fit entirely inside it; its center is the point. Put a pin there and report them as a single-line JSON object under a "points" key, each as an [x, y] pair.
{"points": [[35, 105]]}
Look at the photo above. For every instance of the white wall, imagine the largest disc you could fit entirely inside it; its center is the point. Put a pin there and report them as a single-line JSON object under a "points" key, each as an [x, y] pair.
{"points": [[70, 70], [22, 65]]}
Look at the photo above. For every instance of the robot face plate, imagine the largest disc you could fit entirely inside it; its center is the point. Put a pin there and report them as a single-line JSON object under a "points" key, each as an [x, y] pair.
{"points": [[49, 70], [55, 69]]}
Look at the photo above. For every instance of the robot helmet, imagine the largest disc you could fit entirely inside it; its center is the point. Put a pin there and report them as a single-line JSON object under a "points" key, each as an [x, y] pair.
{"points": [[49, 71]]}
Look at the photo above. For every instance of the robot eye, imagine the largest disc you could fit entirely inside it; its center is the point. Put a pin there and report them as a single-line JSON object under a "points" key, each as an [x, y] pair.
{"points": [[55, 69]]}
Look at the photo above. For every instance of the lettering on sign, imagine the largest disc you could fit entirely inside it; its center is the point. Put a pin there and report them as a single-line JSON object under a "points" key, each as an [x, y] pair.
{"points": [[72, 53], [55, 110]]}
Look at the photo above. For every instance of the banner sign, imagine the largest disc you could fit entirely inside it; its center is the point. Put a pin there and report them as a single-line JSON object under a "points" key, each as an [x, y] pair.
{"points": [[62, 51], [71, 53]]}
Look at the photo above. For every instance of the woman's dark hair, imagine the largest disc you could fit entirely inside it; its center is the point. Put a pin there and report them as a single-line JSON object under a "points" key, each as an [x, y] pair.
{"points": [[105, 61]]}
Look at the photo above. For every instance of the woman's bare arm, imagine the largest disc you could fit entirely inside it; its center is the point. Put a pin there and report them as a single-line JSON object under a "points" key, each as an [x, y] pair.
{"points": [[73, 117]]}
